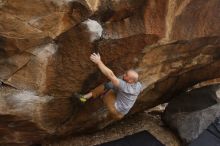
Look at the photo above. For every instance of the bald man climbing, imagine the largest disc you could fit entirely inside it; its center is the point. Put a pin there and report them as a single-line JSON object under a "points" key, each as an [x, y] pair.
{"points": [[119, 95]]}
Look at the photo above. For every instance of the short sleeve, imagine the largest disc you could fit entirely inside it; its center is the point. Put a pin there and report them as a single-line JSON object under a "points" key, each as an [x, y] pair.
{"points": [[108, 85], [122, 84]]}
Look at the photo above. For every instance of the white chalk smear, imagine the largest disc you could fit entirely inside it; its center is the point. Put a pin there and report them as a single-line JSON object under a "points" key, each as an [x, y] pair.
{"points": [[27, 101], [45, 51], [94, 28]]}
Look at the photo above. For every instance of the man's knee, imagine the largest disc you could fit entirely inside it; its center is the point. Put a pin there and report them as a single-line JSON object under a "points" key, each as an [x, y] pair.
{"points": [[98, 91]]}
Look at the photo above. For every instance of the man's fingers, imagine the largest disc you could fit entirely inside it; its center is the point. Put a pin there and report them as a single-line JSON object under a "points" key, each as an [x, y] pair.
{"points": [[94, 55], [93, 58]]}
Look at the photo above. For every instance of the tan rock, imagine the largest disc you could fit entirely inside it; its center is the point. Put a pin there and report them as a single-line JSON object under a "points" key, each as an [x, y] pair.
{"points": [[160, 78], [11, 65], [34, 73], [75, 48], [45, 48], [39, 19], [27, 117], [193, 18]]}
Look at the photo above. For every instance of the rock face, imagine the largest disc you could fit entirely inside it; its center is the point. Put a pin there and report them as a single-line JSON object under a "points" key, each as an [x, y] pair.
{"points": [[131, 125], [192, 112], [197, 17], [45, 48], [173, 76]]}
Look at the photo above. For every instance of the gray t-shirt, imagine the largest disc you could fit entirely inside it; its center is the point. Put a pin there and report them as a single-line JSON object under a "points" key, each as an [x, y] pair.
{"points": [[126, 95]]}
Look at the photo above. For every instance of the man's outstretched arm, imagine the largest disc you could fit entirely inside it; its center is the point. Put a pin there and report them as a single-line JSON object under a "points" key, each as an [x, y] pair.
{"points": [[104, 69]]}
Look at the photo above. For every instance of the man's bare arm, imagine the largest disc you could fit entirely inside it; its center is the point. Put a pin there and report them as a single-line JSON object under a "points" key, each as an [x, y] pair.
{"points": [[104, 69]]}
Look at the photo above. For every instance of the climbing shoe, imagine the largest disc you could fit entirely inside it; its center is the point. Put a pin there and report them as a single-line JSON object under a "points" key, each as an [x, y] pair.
{"points": [[80, 97]]}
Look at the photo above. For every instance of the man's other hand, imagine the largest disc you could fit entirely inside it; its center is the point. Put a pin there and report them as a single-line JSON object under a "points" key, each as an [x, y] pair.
{"points": [[95, 58]]}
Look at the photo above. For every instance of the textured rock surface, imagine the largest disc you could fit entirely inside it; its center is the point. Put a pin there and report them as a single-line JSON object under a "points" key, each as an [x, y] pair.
{"points": [[133, 124], [194, 18], [192, 112], [45, 48], [176, 72], [27, 117], [29, 19]]}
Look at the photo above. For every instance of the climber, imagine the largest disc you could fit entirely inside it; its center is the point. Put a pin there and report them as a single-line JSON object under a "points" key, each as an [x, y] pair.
{"points": [[120, 94]]}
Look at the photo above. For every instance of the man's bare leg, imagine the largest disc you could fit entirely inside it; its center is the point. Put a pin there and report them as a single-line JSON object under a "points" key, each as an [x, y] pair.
{"points": [[94, 93], [109, 100]]}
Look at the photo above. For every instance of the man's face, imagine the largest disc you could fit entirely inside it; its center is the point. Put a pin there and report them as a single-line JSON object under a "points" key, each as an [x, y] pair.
{"points": [[128, 77]]}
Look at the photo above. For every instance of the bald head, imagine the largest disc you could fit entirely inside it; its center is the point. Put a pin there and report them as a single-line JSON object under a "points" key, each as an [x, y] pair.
{"points": [[131, 76]]}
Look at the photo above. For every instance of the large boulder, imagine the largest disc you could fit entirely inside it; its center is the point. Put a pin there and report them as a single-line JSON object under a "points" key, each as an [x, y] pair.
{"points": [[163, 75], [192, 112], [45, 48]]}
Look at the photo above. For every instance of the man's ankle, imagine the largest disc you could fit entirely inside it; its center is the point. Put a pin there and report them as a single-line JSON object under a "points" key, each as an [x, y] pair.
{"points": [[88, 95]]}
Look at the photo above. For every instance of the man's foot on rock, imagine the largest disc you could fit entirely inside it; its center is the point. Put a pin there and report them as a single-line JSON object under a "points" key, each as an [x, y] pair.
{"points": [[80, 97]]}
